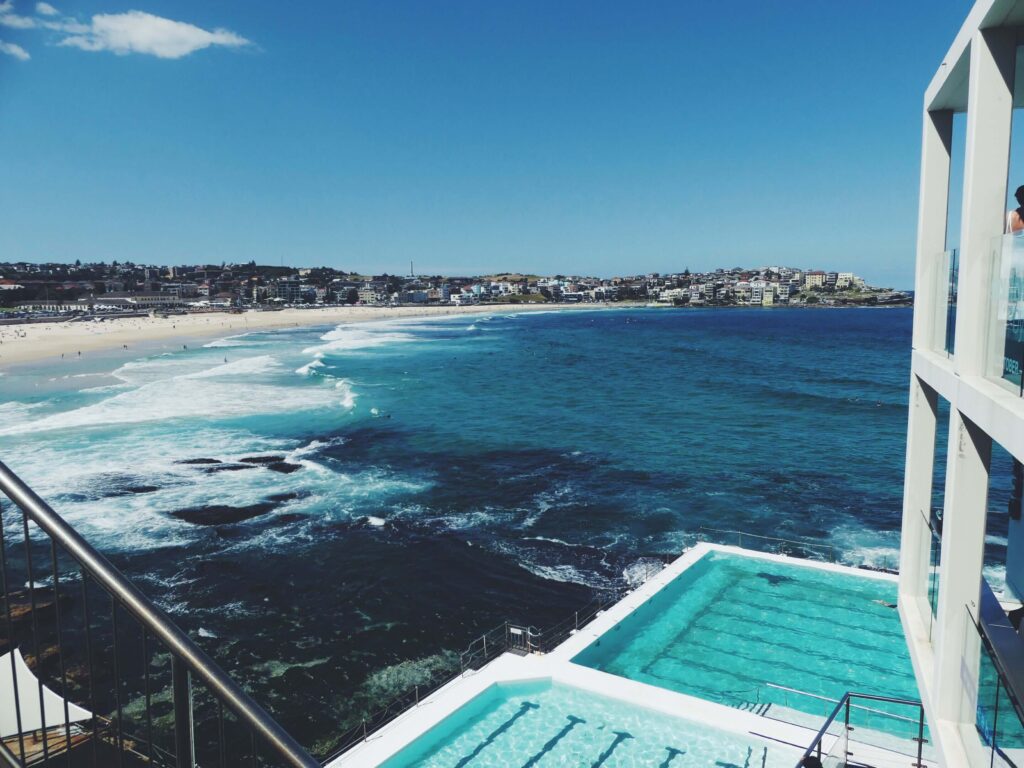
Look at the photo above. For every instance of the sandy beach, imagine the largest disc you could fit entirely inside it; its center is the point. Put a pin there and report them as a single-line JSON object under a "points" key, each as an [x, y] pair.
{"points": [[38, 341]]}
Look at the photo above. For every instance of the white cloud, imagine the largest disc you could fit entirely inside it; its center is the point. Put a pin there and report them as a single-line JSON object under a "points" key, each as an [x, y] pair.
{"points": [[67, 24], [14, 50], [45, 9], [15, 21], [140, 32]]}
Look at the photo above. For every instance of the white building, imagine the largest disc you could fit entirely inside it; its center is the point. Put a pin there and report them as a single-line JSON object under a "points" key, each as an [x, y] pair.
{"points": [[968, 658], [464, 299]]}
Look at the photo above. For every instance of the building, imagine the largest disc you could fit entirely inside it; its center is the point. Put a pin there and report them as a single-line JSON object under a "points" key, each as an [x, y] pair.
{"points": [[181, 290], [288, 291], [958, 620], [815, 279], [141, 300], [50, 305], [371, 294]]}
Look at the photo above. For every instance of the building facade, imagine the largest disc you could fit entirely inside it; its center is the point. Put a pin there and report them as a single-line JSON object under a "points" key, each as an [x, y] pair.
{"points": [[966, 420]]}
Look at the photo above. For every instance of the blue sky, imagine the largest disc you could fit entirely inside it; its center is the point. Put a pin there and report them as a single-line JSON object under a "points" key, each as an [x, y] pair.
{"points": [[574, 137]]}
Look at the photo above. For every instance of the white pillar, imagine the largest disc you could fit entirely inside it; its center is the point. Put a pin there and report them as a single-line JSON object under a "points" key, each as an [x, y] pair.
{"points": [[986, 165], [915, 540], [933, 206], [963, 555]]}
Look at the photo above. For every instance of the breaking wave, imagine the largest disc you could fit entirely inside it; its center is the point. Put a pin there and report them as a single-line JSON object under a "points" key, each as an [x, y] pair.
{"points": [[309, 368]]}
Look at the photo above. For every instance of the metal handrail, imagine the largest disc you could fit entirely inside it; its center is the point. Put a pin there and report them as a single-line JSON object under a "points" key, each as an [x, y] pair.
{"points": [[828, 548], [830, 700], [183, 651], [844, 706], [553, 636]]}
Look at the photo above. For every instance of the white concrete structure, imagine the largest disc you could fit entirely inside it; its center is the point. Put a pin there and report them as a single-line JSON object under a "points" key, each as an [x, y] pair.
{"points": [[976, 78], [787, 730]]}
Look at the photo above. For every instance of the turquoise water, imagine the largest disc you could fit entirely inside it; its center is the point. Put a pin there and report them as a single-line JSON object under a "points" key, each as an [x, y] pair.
{"points": [[730, 625], [545, 724], [438, 477]]}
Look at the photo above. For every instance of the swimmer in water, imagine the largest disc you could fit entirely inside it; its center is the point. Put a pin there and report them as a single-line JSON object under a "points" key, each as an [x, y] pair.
{"points": [[882, 602]]}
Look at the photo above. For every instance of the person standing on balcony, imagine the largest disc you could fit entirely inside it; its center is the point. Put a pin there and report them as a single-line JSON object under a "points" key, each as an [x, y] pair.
{"points": [[1015, 218]]}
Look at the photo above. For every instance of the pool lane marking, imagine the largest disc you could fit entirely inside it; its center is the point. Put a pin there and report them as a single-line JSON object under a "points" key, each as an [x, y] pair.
{"points": [[553, 741], [878, 626], [673, 753], [786, 609], [620, 736], [525, 707], [691, 664], [778, 664], [685, 630]]}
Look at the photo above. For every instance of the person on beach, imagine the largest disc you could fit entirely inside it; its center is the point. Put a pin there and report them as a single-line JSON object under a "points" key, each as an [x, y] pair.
{"points": [[1015, 218]]}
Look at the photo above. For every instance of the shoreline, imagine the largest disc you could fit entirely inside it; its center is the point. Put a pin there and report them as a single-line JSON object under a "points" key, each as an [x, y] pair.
{"points": [[35, 342]]}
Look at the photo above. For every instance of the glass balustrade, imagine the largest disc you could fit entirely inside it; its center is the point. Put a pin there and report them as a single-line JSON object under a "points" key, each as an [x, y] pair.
{"points": [[946, 270], [1006, 335], [998, 708]]}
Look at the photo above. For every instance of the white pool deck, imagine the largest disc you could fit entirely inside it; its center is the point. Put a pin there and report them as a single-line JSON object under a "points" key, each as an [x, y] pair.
{"points": [[558, 667]]}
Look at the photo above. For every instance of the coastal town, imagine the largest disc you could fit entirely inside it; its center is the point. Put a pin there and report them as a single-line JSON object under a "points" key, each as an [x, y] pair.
{"points": [[31, 290]]}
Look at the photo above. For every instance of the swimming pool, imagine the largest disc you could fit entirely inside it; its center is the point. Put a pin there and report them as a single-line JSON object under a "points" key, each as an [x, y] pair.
{"points": [[545, 723], [730, 627]]}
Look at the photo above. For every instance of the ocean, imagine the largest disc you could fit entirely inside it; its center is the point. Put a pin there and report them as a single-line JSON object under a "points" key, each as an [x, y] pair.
{"points": [[333, 511]]}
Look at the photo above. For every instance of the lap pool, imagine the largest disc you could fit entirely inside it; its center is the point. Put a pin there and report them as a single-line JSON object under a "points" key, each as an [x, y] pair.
{"points": [[731, 627], [545, 723]]}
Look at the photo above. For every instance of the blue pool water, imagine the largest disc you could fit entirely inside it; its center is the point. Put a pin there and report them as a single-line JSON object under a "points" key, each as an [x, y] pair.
{"points": [[545, 724], [729, 625]]}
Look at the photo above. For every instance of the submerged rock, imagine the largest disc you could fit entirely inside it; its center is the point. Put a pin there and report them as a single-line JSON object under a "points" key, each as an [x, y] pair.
{"points": [[221, 514], [287, 518], [283, 497], [262, 459], [198, 461], [227, 468], [284, 467]]}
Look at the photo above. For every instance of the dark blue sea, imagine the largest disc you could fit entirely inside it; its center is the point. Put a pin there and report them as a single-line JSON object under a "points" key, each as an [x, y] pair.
{"points": [[333, 511]]}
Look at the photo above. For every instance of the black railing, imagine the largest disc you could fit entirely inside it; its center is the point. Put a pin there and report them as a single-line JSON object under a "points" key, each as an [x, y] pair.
{"points": [[92, 637], [552, 637], [838, 727]]}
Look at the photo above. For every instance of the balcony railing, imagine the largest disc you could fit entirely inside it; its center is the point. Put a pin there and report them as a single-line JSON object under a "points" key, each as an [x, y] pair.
{"points": [[98, 674], [1006, 332], [835, 746], [999, 714], [808, 550]]}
